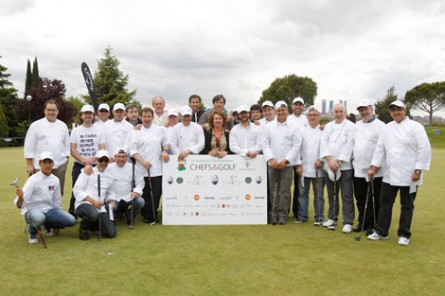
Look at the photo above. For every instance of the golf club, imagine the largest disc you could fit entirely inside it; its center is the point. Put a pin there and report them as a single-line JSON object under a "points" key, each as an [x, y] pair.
{"points": [[316, 192], [39, 234], [332, 227], [133, 185], [98, 194], [359, 237], [152, 198], [373, 203]]}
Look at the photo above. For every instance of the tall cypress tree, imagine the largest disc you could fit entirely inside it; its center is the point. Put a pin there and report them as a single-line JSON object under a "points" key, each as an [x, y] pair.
{"points": [[35, 74], [28, 78], [8, 100]]}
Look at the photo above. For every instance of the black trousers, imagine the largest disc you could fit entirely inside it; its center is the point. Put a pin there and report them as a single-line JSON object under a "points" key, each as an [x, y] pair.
{"points": [[360, 192], [387, 197], [152, 196], [295, 195]]}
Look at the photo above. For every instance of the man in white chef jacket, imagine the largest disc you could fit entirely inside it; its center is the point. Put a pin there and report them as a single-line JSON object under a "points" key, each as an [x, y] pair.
{"points": [[406, 150]]}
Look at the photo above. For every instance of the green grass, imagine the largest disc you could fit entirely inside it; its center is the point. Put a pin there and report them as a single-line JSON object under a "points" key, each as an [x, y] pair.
{"points": [[437, 141], [224, 260]]}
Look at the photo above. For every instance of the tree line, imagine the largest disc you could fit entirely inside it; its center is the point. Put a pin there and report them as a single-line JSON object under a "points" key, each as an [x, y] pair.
{"points": [[16, 114]]}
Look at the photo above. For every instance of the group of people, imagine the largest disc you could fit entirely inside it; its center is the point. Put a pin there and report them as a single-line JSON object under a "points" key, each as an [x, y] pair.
{"points": [[117, 169]]}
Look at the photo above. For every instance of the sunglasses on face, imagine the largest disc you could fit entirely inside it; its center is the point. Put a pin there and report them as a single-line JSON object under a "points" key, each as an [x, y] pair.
{"points": [[103, 160]]}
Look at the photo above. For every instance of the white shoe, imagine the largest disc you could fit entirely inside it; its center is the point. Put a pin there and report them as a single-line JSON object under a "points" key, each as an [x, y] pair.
{"points": [[329, 223], [403, 241], [49, 232], [32, 239], [375, 236], [347, 228]]}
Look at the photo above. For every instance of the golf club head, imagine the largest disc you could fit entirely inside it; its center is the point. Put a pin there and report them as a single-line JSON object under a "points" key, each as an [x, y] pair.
{"points": [[318, 223], [331, 227], [357, 238], [14, 182], [131, 226]]}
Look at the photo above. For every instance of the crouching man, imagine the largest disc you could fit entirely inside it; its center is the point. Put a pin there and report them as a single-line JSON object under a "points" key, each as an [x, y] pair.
{"points": [[40, 200], [129, 186], [92, 193]]}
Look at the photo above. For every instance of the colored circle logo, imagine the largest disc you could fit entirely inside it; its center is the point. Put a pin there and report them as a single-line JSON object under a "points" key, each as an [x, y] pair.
{"points": [[248, 197], [196, 197], [179, 180], [248, 180]]}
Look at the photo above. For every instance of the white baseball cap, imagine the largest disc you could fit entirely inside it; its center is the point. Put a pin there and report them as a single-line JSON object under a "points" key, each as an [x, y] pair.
{"points": [[267, 103], [298, 100], [186, 110], [397, 103], [312, 108], [102, 153], [87, 108], [364, 103], [280, 104], [46, 155], [243, 108], [171, 112], [103, 106], [118, 106], [119, 150]]}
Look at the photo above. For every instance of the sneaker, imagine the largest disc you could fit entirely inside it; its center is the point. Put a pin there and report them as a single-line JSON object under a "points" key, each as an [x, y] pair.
{"points": [[151, 222], [329, 223], [375, 236], [32, 239], [48, 232], [403, 241], [347, 228]]}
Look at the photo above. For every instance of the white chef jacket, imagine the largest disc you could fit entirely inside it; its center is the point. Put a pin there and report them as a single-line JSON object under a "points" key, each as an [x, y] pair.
{"points": [[404, 147], [310, 150], [243, 139], [148, 143], [366, 136], [123, 180], [41, 192], [300, 121], [183, 138], [281, 141], [44, 135], [117, 134], [88, 186], [337, 142]]}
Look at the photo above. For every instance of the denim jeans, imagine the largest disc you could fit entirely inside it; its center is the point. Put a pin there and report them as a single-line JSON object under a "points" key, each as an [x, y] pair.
{"points": [[55, 218], [303, 199]]}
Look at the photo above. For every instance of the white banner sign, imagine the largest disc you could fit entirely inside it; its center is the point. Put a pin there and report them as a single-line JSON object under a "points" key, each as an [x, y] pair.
{"points": [[208, 190]]}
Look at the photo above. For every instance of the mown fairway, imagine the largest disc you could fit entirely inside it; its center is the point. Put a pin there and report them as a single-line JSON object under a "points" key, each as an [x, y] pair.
{"points": [[224, 260]]}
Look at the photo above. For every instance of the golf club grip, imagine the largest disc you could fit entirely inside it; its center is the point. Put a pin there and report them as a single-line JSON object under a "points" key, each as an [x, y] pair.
{"points": [[98, 186]]}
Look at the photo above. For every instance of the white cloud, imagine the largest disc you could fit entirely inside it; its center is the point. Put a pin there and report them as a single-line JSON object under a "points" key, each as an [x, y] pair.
{"points": [[352, 49]]}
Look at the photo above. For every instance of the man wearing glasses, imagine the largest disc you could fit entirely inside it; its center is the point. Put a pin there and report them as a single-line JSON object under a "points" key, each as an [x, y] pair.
{"points": [[91, 204]]}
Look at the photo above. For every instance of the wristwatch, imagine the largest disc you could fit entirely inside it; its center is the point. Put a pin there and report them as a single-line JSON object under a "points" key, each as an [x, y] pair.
{"points": [[418, 172]]}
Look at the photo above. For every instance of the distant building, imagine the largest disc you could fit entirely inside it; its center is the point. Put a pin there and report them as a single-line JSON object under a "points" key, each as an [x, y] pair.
{"points": [[331, 106], [323, 106]]}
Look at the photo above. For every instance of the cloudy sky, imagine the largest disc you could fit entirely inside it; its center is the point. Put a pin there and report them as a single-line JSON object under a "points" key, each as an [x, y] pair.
{"points": [[351, 49]]}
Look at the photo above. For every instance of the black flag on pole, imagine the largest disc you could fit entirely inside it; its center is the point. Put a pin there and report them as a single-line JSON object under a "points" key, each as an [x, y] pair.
{"points": [[89, 82]]}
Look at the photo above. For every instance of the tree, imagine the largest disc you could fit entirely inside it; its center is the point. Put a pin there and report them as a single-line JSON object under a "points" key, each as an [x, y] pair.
{"points": [[289, 87], [35, 79], [428, 97], [3, 127], [28, 77], [110, 83], [8, 99], [48, 89], [381, 107]]}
